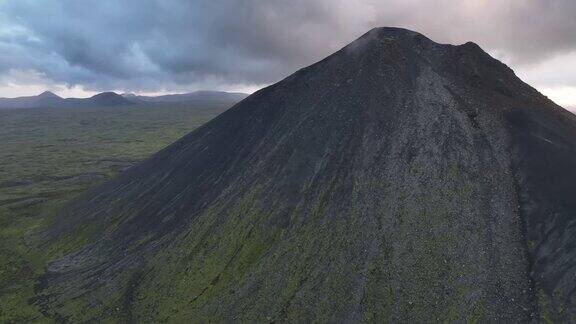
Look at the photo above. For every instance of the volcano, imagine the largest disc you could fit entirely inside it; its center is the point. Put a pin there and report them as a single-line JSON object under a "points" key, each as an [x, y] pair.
{"points": [[397, 180]]}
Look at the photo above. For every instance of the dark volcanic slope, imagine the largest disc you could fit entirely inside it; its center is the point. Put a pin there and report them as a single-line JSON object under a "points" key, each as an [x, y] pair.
{"points": [[398, 179]]}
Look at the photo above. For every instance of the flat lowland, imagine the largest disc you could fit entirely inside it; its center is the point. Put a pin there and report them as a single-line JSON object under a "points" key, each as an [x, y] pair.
{"points": [[48, 156]]}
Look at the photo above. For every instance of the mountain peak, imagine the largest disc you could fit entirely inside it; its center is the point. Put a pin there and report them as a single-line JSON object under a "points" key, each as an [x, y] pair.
{"points": [[394, 40], [394, 32], [390, 34], [107, 94], [48, 94], [418, 171], [387, 40], [110, 99]]}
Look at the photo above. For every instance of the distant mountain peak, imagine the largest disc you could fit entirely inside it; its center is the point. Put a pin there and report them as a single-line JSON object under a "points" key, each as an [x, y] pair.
{"points": [[48, 94], [200, 95], [106, 94], [110, 99]]}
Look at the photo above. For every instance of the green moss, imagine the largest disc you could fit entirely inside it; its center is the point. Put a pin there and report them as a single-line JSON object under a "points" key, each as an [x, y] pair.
{"points": [[379, 300], [20, 266], [46, 154], [82, 234], [477, 314], [544, 306]]}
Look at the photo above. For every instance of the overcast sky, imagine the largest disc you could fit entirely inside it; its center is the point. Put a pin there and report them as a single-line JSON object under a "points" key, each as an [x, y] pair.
{"points": [[76, 48]]}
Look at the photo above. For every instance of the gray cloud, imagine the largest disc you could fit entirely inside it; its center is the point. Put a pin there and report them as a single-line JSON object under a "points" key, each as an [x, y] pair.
{"points": [[148, 45]]}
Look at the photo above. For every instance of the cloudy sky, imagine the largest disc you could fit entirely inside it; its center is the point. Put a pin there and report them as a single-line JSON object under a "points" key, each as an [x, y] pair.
{"points": [[78, 47]]}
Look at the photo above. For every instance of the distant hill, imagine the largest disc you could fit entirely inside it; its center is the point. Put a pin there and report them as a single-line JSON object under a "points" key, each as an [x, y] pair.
{"points": [[203, 95], [110, 99], [48, 99], [45, 99]]}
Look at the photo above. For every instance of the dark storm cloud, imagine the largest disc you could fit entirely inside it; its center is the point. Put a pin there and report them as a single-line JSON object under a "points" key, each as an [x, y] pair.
{"points": [[152, 44]]}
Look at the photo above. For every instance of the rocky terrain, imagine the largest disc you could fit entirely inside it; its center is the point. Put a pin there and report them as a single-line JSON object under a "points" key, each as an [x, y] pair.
{"points": [[397, 180]]}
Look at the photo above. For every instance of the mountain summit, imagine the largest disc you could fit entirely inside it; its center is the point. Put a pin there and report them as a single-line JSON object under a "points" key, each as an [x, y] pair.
{"points": [[109, 99], [397, 180], [49, 99], [48, 94], [196, 96]]}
